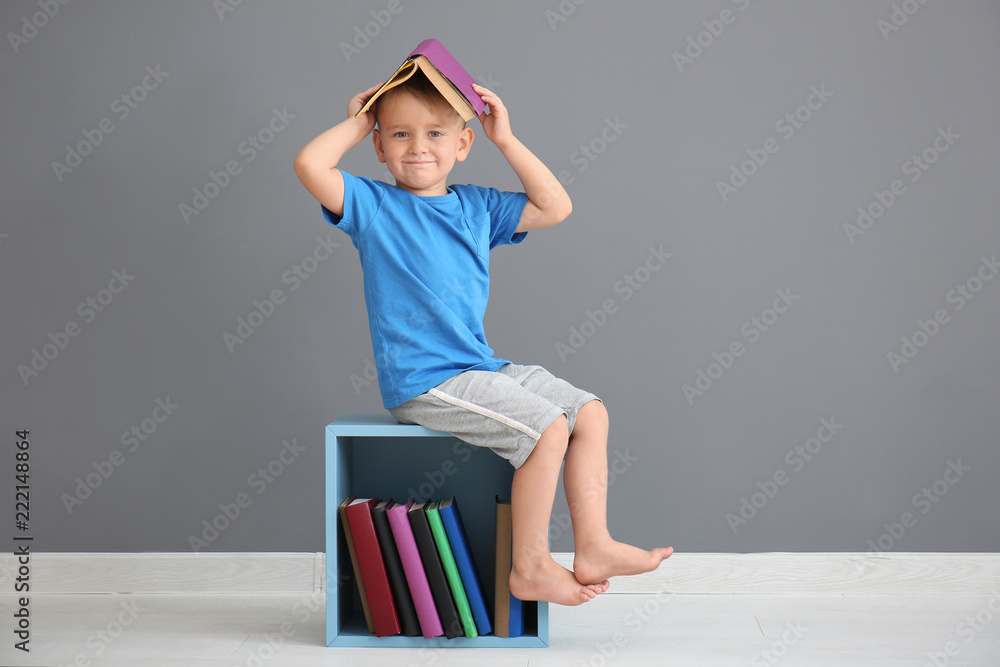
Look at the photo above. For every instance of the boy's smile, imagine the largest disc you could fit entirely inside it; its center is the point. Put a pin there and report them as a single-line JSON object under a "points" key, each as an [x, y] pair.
{"points": [[419, 144]]}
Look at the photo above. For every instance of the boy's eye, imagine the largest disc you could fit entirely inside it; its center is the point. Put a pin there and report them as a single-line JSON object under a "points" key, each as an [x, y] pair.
{"points": [[435, 133], [399, 135]]}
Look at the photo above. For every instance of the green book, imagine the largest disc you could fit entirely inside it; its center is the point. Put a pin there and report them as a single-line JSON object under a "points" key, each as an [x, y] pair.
{"points": [[451, 570]]}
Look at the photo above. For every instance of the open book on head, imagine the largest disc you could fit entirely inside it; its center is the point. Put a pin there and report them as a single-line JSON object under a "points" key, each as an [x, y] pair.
{"points": [[441, 68]]}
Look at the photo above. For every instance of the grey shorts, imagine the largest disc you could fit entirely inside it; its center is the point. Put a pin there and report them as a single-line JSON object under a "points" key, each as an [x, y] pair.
{"points": [[504, 410]]}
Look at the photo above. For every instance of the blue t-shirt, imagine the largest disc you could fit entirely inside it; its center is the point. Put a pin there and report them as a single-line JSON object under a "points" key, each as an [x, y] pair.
{"points": [[426, 277]]}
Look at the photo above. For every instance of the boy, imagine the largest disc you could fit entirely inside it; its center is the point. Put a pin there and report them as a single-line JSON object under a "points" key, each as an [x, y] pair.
{"points": [[424, 249]]}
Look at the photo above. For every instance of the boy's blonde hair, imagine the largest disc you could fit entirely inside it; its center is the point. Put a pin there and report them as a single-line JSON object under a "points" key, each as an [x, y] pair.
{"points": [[420, 87]]}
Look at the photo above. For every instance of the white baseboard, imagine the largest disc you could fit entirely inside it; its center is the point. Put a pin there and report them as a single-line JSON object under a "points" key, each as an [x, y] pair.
{"points": [[182, 572], [815, 573], [682, 574]]}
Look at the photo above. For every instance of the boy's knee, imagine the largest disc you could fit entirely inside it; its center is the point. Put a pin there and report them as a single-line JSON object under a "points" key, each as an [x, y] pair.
{"points": [[559, 427], [592, 415], [557, 433]]}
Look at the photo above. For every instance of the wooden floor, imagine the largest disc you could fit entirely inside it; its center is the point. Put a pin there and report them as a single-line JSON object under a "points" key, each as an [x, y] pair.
{"points": [[268, 609], [122, 630]]}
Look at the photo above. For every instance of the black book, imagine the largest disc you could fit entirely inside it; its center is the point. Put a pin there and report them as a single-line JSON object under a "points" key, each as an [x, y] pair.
{"points": [[435, 571], [394, 570]]}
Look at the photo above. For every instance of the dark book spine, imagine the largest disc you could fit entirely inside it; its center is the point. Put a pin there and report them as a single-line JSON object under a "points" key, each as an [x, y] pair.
{"points": [[435, 573], [394, 570]]}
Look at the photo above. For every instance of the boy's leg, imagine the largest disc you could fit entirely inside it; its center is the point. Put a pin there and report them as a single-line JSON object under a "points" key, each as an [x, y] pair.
{"points": [[585, 479], [535, 575]]}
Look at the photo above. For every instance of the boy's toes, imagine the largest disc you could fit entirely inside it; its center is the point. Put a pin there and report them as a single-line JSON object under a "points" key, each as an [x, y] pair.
{"points": [[599, 588]]}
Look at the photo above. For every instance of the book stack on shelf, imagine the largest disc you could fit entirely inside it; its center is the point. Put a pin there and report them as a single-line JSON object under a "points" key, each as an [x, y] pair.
{"points": [[416, 574], [372, 457]]}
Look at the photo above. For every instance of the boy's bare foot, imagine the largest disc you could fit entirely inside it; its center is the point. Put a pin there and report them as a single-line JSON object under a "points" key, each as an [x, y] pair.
{"points": [[601, 560], [550, 582]]}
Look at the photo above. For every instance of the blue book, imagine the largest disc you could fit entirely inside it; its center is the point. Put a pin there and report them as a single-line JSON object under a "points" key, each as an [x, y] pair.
{"points": [[516, 618], [471, 581]]}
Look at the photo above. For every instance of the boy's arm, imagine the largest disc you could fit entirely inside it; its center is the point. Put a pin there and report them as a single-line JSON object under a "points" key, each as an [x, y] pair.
{"points": [[548, 202], [316, 164]]}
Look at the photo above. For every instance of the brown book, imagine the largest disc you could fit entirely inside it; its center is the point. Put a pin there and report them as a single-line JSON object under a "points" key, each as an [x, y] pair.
{"points": [[342, 511], [501, 606]]}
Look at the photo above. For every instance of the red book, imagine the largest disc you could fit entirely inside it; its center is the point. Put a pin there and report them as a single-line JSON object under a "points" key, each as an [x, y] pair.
{"points": [[373, 572]]}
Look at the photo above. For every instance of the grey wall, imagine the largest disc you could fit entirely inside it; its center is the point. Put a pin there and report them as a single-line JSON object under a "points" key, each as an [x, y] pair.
{"points": [[642, 139]]}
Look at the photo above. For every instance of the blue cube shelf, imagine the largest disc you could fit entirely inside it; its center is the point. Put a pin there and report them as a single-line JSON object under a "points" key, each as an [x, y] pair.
{"points": [[373, 456]]}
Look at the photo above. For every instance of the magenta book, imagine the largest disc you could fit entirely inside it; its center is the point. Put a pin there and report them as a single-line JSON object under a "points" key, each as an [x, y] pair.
{"points": [[441, 58], [416, 578], [443, 71]]}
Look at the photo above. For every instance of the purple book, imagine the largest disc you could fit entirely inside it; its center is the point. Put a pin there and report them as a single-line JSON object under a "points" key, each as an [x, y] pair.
{"points": [[416, 578], [442, 70], [441, 58]]}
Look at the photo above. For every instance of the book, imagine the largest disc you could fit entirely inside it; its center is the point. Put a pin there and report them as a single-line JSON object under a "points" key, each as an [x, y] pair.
{"points": [[508, 614], [416, 577], [451, 517], [373, 573], [417, 514], [342, 511], [394, 570], [451, 571], [443, 71]]}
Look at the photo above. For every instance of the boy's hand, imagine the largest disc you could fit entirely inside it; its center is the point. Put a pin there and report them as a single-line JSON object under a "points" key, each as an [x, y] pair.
{"points": [[548, 203], [496, 123], [358, 101], [316, 164]]}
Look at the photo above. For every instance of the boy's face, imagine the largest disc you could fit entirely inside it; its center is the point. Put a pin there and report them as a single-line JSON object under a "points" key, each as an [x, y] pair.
{"points": [[418, 144]]}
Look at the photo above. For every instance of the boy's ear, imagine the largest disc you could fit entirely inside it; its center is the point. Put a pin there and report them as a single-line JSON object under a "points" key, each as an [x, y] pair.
{"points": [[465, 143], [377, 141]]}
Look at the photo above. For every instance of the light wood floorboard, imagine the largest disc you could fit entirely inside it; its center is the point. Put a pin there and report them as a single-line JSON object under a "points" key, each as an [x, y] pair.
{"points": [[615, 629]]}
